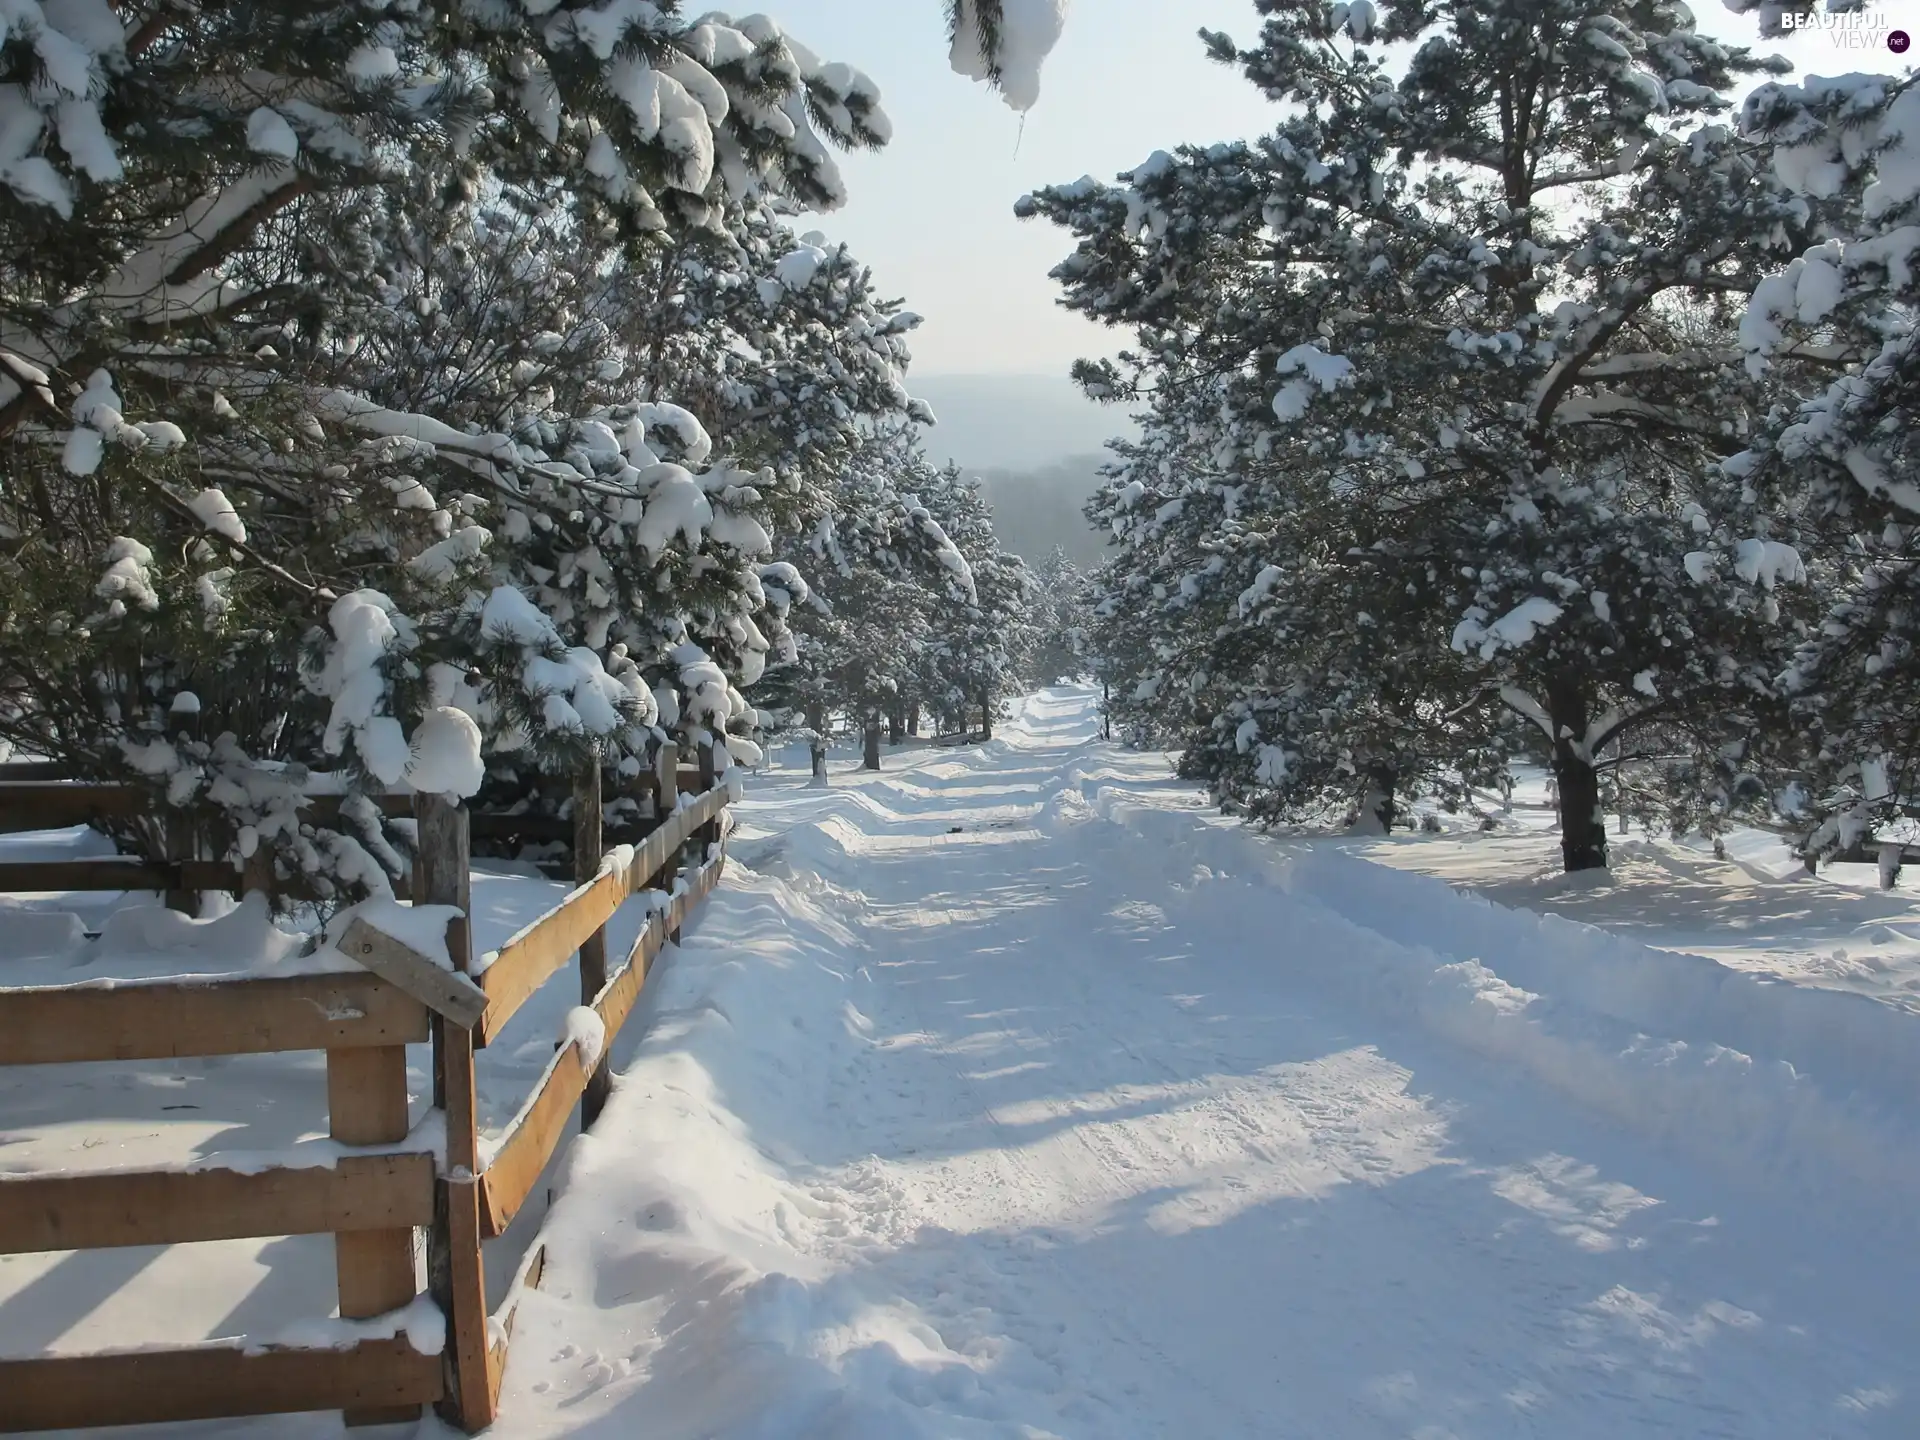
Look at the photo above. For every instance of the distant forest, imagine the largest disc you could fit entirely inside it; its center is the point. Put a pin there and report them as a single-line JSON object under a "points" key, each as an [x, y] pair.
{"points": [[1035, 510]]}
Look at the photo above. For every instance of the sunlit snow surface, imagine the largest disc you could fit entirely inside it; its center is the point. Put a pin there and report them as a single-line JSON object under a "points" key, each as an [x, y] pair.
{"points": [[1011, 1093]]}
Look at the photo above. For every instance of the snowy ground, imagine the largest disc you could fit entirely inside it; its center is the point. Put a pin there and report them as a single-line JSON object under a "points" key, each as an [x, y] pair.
{"points": [[1009, 1093], [1756, 910]]}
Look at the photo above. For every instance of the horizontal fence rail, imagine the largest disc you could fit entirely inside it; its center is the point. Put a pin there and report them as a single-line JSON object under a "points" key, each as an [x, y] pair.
{"points": [[523, 1152], [177, 1018], [212, 1382], [176, 1207], [525, 963]]}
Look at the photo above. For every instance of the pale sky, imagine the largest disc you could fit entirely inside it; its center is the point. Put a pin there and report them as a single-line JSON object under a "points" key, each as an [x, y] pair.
{"points": [[933, 212]]}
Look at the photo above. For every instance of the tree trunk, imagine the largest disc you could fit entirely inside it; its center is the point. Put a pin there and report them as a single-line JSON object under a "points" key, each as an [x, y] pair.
{"points": [[1893, 858], [986, 717], [913, 721], [1378, 809], [896, 726], [816, 720], [873, 741], [1106, 710], [1583, 828]]}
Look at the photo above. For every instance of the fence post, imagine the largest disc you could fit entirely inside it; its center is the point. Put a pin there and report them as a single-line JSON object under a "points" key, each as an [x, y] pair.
{"points": [[456, 1275], [179, 836], [367, 1105], [257, 873], [669, 763], [179, 828], [589, 846], [709, 833]]}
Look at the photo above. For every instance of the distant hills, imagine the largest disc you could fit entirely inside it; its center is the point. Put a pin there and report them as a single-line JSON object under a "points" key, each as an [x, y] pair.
{"points": [[1036, 444], [1013, 422], [1035, 510]]}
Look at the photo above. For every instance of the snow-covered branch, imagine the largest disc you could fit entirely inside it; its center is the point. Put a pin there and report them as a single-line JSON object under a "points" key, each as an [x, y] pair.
{"points": [[1524, 705]]}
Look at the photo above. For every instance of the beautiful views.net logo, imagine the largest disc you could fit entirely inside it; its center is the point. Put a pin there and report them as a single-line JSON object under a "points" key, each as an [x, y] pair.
{"points": [[1850, 24]]}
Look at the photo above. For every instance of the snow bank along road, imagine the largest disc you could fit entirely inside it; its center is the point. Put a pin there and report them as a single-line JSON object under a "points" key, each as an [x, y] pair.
{"points": [[1010, 1094]]}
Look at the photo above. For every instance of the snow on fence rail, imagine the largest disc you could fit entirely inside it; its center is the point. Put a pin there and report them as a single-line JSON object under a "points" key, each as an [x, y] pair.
{"points": [[378, 1182]]}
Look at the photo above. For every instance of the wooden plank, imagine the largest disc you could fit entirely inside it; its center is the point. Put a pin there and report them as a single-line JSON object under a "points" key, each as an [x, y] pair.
{"points": [[131, 873], [546, 827], [666, 778], [473, 1391], [456, 1269], [536, 1133], [159, 1207], [13, 771], [18, 877], [533, 1269], [257, 877], [530, 958], [342, 1011], [518, 1162], [588, 847], [220, 875], [615, 1003], [55, 806], [210, 1382], [367, 1100], [703, 884], [367, 1105], [522, 827], [653, 855], [440, 990]]}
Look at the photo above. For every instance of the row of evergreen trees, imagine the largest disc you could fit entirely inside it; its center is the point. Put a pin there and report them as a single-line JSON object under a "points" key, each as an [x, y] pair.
{"points": [[886, 641], [1514, 396], [434, 393]]}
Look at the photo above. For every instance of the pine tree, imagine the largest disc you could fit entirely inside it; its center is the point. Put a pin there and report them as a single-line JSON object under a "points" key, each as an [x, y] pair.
{"points": [[1847, 762], [979, 643], [382, 537], [1061, 613], [1461, 328], [882, 566]]}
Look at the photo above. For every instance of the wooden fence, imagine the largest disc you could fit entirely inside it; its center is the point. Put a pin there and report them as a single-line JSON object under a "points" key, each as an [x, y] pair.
{"points": [[38, 797], [386, 1185]]}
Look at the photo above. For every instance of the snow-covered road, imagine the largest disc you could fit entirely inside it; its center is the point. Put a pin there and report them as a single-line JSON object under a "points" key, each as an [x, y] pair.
{"points": [[1008, 1093]]}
